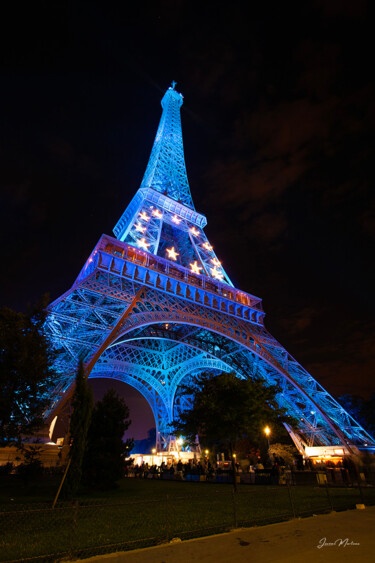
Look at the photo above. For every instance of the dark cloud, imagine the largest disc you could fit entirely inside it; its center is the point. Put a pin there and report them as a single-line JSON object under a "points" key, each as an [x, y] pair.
{"points": [[268, 227]]}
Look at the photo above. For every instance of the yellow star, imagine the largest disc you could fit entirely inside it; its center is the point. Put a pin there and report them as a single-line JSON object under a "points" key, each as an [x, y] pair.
{"points": [[139, 228], [156, 213], [194, 231], [215, 262], [172, 253], [216, 274], [143, 244], [144, 216], [176, 220], [195, 268], [207, 246]]}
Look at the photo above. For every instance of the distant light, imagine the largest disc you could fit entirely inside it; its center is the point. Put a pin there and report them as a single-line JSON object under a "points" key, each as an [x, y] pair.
{"points": [[156, 213], [216, 274], [195, 268], [176, 220], [267, 431], [207, 246], [172, 254], [143, 244], [216, 262], [139, 228], [144, 216], [180, 441], [194, 231]]}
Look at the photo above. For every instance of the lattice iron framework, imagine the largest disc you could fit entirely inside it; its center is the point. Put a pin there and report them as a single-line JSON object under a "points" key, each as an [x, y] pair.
{"points": [[155, 306]]}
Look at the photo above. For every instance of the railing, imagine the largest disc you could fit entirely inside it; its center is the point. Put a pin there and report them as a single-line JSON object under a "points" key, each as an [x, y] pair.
{"points": [[158, 264]]}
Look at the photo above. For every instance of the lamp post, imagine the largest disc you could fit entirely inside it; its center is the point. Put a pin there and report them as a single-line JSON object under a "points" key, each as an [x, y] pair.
{"points": [[267, 432]]}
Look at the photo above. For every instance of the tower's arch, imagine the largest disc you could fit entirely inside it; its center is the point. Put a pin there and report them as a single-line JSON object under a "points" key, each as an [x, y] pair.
{"points": [[159, 356]]}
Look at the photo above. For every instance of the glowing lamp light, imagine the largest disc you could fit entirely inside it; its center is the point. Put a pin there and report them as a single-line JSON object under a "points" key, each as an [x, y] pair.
{"points": [[143, 244], [180, 441], [139, 228], [216, 274], [267, 431], [176, 220], [172, 254], [207, 246], [216, 262], [194, 231], [156, 213], [154, 450], [144, 216], [195, 268]]}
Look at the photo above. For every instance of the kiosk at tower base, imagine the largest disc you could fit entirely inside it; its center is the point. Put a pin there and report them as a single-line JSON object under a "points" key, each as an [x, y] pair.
{"points": [[154, 306]]}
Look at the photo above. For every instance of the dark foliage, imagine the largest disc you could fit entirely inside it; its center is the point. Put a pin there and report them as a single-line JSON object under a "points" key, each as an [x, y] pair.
{"points": [[26, 373], [105, 454], [7, 468], [31, 468], [227, 409], [79, 424]]}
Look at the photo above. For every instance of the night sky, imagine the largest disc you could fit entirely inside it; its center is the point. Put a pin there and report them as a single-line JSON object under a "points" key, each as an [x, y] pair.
{"points": [[278, 125]]}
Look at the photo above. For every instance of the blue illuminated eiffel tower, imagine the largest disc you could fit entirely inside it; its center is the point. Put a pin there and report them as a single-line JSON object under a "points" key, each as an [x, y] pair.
{"points": [[154, 306]]}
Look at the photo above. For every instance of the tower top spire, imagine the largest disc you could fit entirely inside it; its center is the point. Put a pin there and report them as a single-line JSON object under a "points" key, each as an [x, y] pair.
{"points": [[166, 170]]}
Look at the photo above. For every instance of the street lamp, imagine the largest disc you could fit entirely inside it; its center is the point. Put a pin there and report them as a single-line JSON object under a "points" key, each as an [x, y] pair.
{"points": [[267, 432]]}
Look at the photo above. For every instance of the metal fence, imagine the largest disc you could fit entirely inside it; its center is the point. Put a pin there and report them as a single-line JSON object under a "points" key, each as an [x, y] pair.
{"points": [[79, 530]]}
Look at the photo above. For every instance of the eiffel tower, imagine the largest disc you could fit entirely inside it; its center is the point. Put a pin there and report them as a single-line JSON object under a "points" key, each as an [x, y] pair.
{"points": [[154, 306]]}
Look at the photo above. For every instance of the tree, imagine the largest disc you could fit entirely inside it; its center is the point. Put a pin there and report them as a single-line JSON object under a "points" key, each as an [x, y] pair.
{"points": [[26, 373], [287, 453], [78, 428], [226, 409], [31, 466], [106, 451]]}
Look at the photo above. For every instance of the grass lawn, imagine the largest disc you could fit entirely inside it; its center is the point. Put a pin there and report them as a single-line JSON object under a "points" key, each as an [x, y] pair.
{"points": [[144, 512]]}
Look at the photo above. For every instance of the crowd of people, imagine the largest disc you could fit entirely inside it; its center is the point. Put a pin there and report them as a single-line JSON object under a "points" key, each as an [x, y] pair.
{"points": [[275, 469]]}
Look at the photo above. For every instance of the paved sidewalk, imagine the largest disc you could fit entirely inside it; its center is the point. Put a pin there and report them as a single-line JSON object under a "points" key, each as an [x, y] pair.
{"points": [[295, 541]]}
